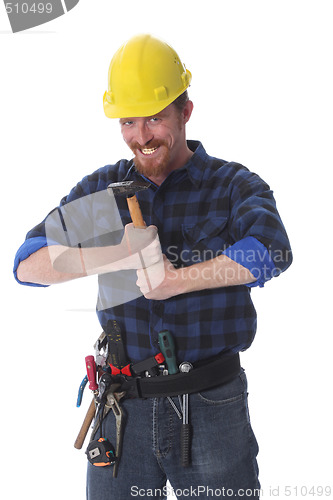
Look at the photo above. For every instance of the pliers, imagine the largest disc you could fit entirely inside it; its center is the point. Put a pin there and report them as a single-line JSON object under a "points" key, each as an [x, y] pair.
{"points": [[112, 402]]}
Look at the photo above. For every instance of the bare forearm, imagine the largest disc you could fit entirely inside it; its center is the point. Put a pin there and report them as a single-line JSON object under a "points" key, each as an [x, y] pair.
{"points": [[38, 268], [57, 263], [215, 273]]}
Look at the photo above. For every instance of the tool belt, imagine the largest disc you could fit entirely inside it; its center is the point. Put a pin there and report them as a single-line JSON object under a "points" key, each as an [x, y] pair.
{"points": [[205, 375], [146, 379]]}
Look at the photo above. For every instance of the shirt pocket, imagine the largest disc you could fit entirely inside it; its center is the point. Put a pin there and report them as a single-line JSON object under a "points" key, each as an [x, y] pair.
{"points": [[210, 234]]}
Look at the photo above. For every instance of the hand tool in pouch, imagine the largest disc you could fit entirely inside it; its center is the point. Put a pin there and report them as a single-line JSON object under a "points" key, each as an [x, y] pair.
{"points": [[116, 355], [185, 433], [109, 347], [100, 451], [81, 390], [167, 346], [112, 402], [91, 375]]}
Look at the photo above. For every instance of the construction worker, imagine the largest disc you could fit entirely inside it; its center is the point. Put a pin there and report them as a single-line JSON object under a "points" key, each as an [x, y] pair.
{"points": [[213, 232]]}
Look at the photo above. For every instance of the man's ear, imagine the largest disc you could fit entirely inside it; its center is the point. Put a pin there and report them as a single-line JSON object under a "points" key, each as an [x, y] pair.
{"points": [[187, 111]]}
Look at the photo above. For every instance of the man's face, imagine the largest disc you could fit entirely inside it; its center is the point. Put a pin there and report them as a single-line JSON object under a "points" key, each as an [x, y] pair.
{"points": [[158, 142]]}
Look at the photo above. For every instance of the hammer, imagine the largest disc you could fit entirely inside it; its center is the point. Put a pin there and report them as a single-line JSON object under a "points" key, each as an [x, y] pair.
{"points": [[129, 190]]}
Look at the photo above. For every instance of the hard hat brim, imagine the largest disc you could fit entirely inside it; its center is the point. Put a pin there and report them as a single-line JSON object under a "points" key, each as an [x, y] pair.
{"points": [[113, 110]]}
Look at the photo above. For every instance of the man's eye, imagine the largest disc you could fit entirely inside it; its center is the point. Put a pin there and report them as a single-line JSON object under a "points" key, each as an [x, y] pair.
{"points": [[154, 120], [126, 123]]}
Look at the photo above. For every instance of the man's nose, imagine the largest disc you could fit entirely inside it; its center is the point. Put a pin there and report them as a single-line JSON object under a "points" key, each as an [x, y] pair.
{"points": [[144, 134]]}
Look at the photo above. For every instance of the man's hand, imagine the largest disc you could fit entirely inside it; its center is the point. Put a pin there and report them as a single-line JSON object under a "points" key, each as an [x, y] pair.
{"points": [[167, 281], [141, 247], [163, 279]]}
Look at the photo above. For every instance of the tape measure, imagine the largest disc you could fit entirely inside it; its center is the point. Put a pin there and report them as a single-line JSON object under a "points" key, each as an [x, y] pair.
{"points": [[101, 453]]}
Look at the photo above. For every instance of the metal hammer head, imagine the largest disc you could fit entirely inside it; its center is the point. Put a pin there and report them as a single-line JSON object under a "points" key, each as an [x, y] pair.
{"points": [[127, 188]]}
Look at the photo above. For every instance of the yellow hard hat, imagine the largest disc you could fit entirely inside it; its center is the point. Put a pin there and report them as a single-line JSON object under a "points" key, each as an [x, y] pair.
{"points": [[145, 76]]}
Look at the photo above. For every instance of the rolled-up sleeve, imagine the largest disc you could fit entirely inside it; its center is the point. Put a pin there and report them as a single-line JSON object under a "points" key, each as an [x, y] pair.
{"points": [[36, 239], [260, 240], [87, 216], [30, 246]]}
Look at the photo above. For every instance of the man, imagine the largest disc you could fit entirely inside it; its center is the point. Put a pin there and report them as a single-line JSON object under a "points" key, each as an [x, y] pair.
{"points": [[220, 234]]}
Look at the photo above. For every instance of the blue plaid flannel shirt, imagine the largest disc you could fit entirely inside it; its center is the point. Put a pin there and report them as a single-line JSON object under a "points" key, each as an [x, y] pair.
{"points": [[208, 207]]}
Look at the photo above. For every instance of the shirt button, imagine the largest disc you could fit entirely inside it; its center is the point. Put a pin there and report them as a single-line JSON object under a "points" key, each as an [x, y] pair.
{"points": [[158, 307]]}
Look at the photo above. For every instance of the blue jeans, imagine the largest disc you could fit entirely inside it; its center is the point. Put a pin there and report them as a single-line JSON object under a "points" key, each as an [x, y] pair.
{"points": [[223, 450]]}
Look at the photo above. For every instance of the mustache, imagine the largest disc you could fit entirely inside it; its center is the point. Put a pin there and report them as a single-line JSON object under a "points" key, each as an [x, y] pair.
{"points": [[153, 144]]}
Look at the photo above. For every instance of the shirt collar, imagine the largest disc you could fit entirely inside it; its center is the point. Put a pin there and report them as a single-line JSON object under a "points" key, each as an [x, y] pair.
{"points": [[198, 162], [195, 166]]}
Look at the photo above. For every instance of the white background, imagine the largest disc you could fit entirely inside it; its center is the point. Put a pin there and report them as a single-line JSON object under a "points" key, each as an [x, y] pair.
{"points": [[262, 89]]}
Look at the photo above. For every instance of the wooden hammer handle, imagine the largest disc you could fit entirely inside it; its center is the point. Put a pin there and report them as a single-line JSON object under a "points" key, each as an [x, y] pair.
{"points": [[135, 211], [85, 426], [137, 219]]}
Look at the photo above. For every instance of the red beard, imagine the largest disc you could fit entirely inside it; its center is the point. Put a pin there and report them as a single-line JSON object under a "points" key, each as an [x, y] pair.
{"points": [[151, 166]]}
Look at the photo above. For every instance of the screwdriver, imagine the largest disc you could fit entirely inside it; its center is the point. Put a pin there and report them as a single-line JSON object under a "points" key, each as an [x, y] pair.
{"points": [[91, 376], [167, 346], [91, 373], [185, 435], [168, 350]]}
